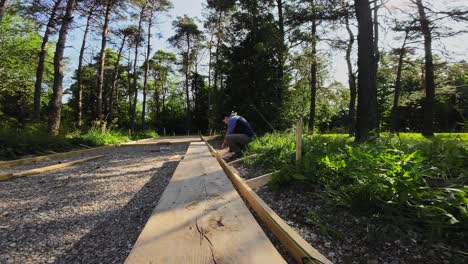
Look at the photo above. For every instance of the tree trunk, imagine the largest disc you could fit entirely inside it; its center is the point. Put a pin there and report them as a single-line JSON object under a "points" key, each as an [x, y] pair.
{"points": [[3, 5], [55, 105], [210, 61], [396, 95], [218, 43], [376, 37], [428, 118], [114, 81], [351, 79], [40, 66], [79, 92], [367, 99], [129, 82], [376, 57], [187, 95], [281, 54], [145, 80], [313, 77], [102, 62], [164, 92], [135, 75]]}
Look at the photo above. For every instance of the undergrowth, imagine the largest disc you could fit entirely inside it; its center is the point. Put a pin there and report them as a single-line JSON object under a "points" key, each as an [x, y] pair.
{"points": [[34, 141], [405, 177]]}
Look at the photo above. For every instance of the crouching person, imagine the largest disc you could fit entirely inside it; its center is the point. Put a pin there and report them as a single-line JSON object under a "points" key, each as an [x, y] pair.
{"points": [[239, 134]]}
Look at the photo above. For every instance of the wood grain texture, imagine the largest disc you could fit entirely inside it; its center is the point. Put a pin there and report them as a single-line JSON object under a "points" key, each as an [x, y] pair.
{"points": [[299, 249], [202, 219]]}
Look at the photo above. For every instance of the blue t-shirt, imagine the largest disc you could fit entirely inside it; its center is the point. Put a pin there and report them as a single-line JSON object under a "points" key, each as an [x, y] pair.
{"points": [[238, 125]]}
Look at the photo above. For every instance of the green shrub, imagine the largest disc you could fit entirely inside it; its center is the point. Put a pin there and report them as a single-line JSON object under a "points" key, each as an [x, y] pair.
{"points": [[406, 176]]}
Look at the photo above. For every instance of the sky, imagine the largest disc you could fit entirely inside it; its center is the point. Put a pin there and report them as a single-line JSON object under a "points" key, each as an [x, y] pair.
{"points": [[194, 8]]}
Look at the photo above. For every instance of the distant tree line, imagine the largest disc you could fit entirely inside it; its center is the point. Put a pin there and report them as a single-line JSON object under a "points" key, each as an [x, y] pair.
{"points": [[263, 59]]}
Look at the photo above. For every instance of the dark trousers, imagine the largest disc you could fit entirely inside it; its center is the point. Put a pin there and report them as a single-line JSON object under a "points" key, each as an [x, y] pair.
{"points": [[237, 141]]}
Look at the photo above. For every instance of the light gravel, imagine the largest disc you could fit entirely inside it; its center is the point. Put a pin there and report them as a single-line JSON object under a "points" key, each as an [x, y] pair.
{"points": [[89, 213]]}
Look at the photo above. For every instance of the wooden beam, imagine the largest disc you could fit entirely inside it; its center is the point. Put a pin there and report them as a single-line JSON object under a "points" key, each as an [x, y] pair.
{"points": [[299, 249], [13, 163], [200, 218], [241, 159], [163, 140], [10, 176], [260, 181]]}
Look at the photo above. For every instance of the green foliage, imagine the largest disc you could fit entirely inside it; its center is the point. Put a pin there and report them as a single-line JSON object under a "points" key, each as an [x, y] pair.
{"points": [[405, 176], [34, 140], [19, 49]]}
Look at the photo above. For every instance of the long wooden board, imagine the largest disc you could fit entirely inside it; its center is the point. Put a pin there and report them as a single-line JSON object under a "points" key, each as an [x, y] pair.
{"points": [[13, 163], [9, 176], [202, 219], [143, 142], [299, 249]]}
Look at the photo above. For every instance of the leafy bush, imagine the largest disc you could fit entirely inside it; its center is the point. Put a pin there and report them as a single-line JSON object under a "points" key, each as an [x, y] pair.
{"points": [[15, 143], [403, 176]]}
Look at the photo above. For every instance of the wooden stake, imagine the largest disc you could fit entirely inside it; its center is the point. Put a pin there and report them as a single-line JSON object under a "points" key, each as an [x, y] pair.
{"points": [[299, 142]]}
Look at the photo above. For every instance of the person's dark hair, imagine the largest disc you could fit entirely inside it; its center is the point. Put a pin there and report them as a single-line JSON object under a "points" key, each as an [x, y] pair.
{"points": [[228, 114]]}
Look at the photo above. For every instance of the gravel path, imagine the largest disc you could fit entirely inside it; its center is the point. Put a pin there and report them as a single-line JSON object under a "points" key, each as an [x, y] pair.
{"points": [[345, 237], [89, 213]]}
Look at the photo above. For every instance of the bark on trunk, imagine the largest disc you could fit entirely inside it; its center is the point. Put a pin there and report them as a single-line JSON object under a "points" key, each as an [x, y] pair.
{"points": [[56, 101], [102, 61], [135, 75], [396, 95], [313, 77], [376, 38], [281, 55], [114, 81], [79, 92], [218, 43], [145, 81], [366, 110], [187, 95], [351, 79], [42, 56], [3, 5], [428, 118]]}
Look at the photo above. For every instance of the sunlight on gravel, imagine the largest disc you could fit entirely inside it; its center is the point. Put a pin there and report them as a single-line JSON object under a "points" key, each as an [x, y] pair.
{"points": [[89, 213]]}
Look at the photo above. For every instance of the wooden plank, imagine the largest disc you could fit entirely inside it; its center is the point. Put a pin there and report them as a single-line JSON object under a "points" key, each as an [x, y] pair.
{"points": [[260, 181], [241, 159], [299, 249], [47, 168], [200, 218], [13, 163]]}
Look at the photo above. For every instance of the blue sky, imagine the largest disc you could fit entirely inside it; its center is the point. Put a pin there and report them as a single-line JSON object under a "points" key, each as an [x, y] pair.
{"points": [[192, 8]]}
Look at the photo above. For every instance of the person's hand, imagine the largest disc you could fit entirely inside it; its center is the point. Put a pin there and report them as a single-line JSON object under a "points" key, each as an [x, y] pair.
{"points": [[223, 145]]}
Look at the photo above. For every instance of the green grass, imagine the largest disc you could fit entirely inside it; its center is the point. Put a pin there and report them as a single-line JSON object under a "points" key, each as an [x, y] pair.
{"points": [[34, 141], [406, 176]]}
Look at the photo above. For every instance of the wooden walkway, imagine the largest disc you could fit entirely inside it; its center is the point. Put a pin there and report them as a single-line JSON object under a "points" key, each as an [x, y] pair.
{"points": [[202, 219]]}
